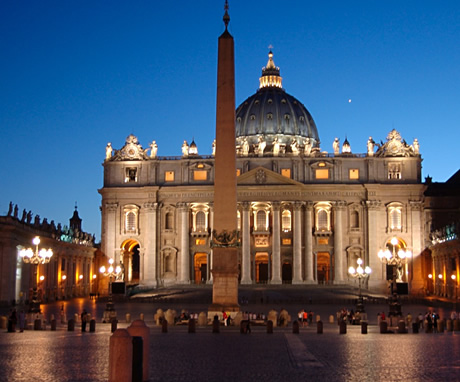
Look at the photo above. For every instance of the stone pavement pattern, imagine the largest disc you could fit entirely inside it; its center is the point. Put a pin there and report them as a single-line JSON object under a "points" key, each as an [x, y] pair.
{"points": [[229, 355]]}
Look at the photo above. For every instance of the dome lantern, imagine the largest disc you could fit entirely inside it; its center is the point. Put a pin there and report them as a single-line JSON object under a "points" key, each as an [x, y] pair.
{"points": [[270, 74]]}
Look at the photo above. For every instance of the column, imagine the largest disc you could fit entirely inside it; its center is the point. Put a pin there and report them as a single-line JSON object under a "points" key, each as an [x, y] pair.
{"points": [[416, 281], [309, 275], [339, 253], [184, 276], [246, 245], [276, 240], [110, 231], [297, 255], [148, 260], [376, 279], [209, 279]]}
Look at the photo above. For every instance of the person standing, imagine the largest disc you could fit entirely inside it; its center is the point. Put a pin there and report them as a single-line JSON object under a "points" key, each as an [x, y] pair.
{"points": [[83, 320], [22, 321]]}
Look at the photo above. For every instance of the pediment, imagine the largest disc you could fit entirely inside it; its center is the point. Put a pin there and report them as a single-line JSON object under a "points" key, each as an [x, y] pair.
{"points": [[261, 176]]}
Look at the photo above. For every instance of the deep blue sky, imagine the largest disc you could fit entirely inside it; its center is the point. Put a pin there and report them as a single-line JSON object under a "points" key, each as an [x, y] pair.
{"points": [[75, 75]]}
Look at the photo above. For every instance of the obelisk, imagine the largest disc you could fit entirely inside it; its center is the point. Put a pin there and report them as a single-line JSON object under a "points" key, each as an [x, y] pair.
{"points": [[225, 235]]}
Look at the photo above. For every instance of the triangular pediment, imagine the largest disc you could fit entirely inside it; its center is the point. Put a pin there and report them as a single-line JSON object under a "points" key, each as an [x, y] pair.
{"points": [[261, 176]]}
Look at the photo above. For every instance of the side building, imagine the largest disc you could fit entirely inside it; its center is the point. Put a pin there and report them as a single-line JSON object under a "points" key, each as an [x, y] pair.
{"points": [[304, 215], [70, 270]]}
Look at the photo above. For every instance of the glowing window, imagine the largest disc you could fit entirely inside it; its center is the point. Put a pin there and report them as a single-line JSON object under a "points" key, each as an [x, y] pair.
{"points": [[261, 221], [200, 221], [238, 220], [286, 241], [200, 175], [353, 174], [322, 173], [286, 172], [323, 241], [321, 164], [200, 241], [238, 172], [130, 219], [169, 176], [201, 165], [286, 221], [322, 220]]}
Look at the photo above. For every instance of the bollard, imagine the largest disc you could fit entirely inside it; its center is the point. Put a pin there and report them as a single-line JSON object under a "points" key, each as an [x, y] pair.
{"points": [[137, 359], [415, 327], [343, 327], [114, 325], [3, 321], [383, 327], [191, 325], [441, 326], [38, 324], [319, 327], [141, 316], [120, 356], [71, 325], [363, 327], [164, 326], [53, 324], [402, 327], [128, 318], [456, 325], [295, 327], [269, 327], [92, 326], [331, 319], [215, 326], [139, 329], [449, 326]]}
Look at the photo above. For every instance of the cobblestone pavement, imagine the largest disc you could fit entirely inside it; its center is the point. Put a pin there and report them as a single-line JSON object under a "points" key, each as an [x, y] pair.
{"points": [[229, 355]]}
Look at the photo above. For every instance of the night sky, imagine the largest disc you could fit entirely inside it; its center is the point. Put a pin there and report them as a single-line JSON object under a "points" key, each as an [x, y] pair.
{"points": [[75, 75]]}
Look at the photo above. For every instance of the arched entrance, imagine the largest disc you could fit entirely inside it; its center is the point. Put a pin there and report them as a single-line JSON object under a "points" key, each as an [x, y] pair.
{"points": [[131, 261], [287, 273], [323, 267], [201, 267], [261, 260]]}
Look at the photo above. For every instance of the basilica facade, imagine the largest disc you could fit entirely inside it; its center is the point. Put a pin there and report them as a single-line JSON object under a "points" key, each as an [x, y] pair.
{"points": [[305, 215]]}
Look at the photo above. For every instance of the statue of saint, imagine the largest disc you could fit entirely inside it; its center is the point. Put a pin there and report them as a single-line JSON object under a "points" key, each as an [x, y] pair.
{"points": [[261, 146], [15, 213], [370, 147], [276, 147], [336, 146], [10, 209], [153, 149], [108, 151], [214, 148], [416, 146], [185, 149], [294, 147], [307, 147], [245, 147]]}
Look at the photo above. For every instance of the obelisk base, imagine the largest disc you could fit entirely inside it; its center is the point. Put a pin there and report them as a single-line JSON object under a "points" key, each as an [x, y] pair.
{"points": [[225, 280]]}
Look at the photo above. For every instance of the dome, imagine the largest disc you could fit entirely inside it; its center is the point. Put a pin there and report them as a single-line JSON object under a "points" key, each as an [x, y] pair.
{"points": [[274, 116]]}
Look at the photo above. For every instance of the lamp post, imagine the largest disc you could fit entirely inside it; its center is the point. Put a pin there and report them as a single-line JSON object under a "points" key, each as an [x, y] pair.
{"points": [[37, 257], [360, 273], [110, 312], [395, 258]]}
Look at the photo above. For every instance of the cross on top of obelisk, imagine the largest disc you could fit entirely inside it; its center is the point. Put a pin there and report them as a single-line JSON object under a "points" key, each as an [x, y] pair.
{"points": [[226, 15]]}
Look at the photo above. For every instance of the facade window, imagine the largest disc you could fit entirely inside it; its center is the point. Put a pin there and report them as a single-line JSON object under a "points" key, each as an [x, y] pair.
{"points": [[286, 172], [354, 220], [200, 241], [323, 217], [323, 241], [238, 172], [353, 174], [261, 221], [322, 173], [130, 217], [394, 171], [286, 221], [286, 241], [169, 176], [130, 174], [200, 221], [200, 175], [169, 220], [395, 218]]}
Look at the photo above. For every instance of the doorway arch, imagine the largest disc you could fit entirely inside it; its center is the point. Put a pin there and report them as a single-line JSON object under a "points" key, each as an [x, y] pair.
{"points": [[131, 261], [261, 262], [323, 267], [200, 265]]}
